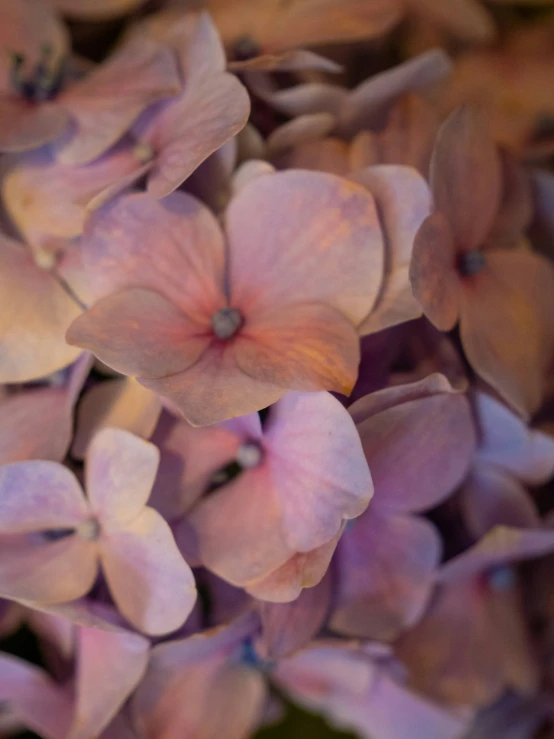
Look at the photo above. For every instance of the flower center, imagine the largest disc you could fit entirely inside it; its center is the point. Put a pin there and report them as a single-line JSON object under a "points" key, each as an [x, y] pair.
{"points": [[501, 579], [250, 454], [89, 530], [248, 656], [143, 152], [226, 322], [42, 82], [245, 48], [471, 262]]}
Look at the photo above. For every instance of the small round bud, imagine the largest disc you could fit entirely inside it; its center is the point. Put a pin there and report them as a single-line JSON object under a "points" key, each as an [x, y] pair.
{"points": [[226, 322], [45, 259], [89, 530], [250, 454], [143, 152]]}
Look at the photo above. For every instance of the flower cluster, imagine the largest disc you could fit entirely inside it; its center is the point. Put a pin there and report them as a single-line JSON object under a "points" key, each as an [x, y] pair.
{"points": [[276, 367]]}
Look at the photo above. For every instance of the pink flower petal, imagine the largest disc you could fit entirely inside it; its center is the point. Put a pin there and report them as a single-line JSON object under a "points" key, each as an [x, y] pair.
{"points": [[194, 687], [46, 198], [506, 441], [387, 567], [25, 125], [120, 472], [215, 389], [139, 332], [296, 60], [501, 545], [302, 571], [105, 104], [120, 404], [39, 495], [465, 19], [466, 177], [300, 346], [367, 105], [328, 249], [117, 250], [505, 327], [404, 202], [34, 698], [95, 9], [150, 582], [435, 439], [287, 627], [435, 282], [300, 130], [312, 97], [110, 665], [31, 330], [491, 497], [33, 571], [317, 466]]}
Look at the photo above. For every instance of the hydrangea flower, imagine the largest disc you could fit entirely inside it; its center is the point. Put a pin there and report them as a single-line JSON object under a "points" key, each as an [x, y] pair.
{"points": [[54, 539]]}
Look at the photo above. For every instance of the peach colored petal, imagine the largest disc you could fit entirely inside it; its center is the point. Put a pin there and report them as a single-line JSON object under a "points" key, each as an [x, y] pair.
{"points": [[287, 583], [150, 582], [139, 332], [110, 664], [435, 283], [32, 330], [35, 571], [120, 472], [303, 346], [506, 326], [328, 249], [404, 202], [214, 389], [464, 19], [117, 250], [300, 130], [95, 9], [122, 404], [466, 176]]}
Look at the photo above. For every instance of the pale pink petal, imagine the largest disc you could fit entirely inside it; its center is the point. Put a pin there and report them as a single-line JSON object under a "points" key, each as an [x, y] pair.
{"points": [[39, 495], [139, 332], [301, 346], [120, 404], [254, 546], [490, 497], [190, 456], [105, 104], [150, 582], [382, 400], [287, 627], [287, 582], [196, 687], [250, 170], [120, 472], [215, 389], [329, 248], [501, 545], [27, 26], [34, 698], [506, 441], [25, 125], [296, 60], [32, 331], [404, 202], [46, 198], [367, 105], [505, 325], [117, 250], [313, 97], [110, 664], [386, 572], [433, 437], [37, 571], [466, 177], [435, 282], [318, 467], [300, 130]]}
